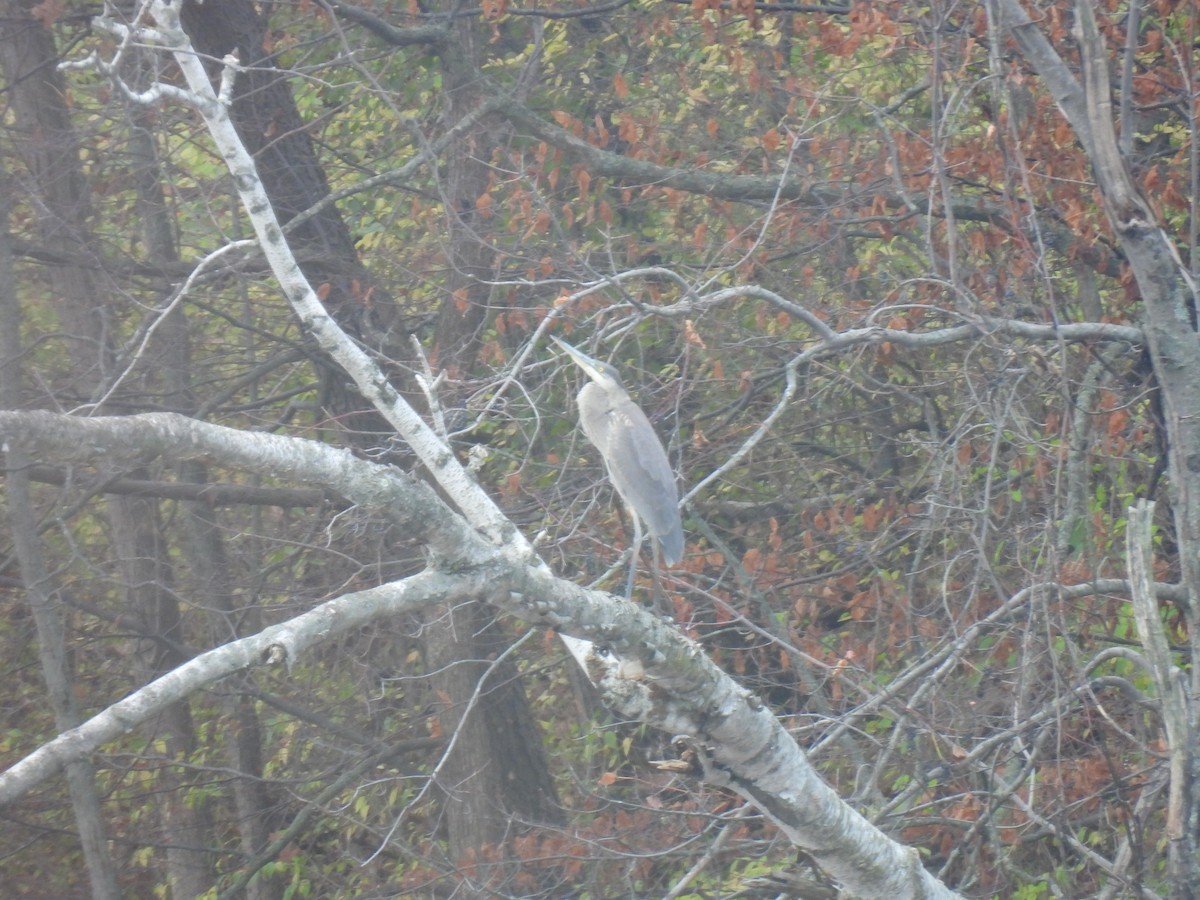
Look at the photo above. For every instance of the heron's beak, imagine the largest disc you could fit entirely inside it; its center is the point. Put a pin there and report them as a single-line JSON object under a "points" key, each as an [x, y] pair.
{"points": [[585, 362]]}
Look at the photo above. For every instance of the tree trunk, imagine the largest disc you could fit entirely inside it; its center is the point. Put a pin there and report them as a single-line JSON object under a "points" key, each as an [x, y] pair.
{"points": [[468, 173], [42, 133], [204, 548], [482, 799], [46, 609], [187, 828], [497, 776], [50, 152], [1170, 301], [271, 127], [203, 545]]}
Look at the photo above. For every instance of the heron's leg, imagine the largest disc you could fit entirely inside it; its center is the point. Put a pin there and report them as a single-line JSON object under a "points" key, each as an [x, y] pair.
{"points": [[661, 603], [635, 552]]}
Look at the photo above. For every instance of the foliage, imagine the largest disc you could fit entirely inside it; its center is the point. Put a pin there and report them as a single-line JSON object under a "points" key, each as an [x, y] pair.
{"points": [[913, 176]]}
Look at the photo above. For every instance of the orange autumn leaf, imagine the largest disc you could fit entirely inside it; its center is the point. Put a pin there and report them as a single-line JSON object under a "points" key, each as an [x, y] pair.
{"points": [[872, 516], [461, 303], [752, 560], [692, 336], [48, 12], [1118, 419], [566, 120]]}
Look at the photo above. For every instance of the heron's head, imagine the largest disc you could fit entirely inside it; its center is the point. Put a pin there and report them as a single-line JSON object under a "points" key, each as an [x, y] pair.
{"points": [[602, 373]]}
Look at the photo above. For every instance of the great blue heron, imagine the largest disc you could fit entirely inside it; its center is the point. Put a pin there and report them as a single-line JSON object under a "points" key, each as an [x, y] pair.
{"points": [[633, 455]]}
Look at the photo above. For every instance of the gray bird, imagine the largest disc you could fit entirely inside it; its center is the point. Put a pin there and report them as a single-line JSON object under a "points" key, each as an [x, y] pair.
{"points": [[633, 455]]}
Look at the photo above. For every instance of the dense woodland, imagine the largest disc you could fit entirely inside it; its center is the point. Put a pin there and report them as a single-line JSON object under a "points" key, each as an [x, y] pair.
{"points": [[304, 555]]}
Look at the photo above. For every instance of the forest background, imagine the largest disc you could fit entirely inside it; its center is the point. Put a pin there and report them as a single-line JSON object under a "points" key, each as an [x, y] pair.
{"points": [[907, 289]]}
